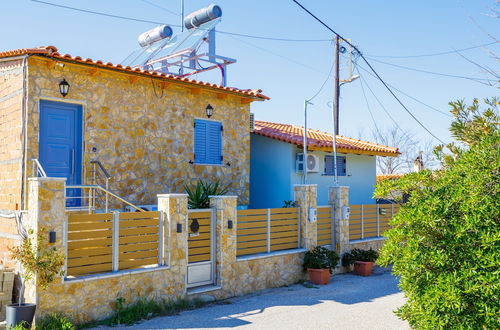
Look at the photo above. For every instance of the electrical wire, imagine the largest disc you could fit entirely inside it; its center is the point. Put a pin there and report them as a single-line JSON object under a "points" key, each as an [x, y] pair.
{"points": [[368, 107], [323, 85], [431, 72], [434, 54], [174, 25], [371, 68], [407, 95], [160, 7]]}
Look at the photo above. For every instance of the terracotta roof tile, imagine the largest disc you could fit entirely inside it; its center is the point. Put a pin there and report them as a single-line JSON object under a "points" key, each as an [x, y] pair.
{"points": [[382, 177], [318, 140], [52, 52]]}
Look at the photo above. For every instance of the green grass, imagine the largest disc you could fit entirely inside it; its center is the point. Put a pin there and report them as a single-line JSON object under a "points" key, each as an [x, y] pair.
{"points": [[144, 309]]}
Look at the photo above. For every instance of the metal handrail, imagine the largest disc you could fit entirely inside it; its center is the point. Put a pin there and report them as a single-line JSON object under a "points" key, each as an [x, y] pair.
{"points": [[38, 168], [101, 167], [93, 186]]}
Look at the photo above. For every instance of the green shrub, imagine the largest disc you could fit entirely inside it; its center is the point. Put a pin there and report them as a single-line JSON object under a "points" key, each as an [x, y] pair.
{"points": [[445, 241], [321, 258], [198, 196], [54, 321], [359, 255]]}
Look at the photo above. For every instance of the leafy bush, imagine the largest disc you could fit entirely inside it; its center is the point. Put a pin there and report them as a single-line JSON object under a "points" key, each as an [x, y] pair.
{"points": [[359, 255], [321, 258], [54, 321], [445, 241], [198, 196], [288, 204], [38, 259]]}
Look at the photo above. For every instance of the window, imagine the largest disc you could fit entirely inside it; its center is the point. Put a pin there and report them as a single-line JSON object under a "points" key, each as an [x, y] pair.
{"points": [[341, 165], [207, 142]]}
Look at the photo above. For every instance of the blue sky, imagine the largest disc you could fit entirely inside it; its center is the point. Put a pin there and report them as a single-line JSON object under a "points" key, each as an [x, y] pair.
{"points": [[290, 72]]}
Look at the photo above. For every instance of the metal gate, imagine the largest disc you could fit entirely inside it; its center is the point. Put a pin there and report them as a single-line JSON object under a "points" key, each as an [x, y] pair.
{"points": [[201, 247]]}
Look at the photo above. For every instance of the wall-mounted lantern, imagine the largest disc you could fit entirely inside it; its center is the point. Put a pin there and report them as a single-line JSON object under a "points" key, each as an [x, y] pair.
{"points": [[209, 110], [64, 87]]}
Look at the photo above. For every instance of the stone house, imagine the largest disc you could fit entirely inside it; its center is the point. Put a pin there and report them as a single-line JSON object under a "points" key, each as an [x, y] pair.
{"points": [[140, 125], [275, 155]]}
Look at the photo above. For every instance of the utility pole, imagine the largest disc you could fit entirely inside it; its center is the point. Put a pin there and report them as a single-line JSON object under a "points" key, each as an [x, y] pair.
{"points": [[182, 15], [335, 112]]}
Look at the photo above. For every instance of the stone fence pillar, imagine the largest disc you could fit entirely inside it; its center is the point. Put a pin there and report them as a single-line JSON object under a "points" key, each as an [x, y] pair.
{"points": [[338, 197], [46, 213], [226, 217], [305, 196], [175, 213]]}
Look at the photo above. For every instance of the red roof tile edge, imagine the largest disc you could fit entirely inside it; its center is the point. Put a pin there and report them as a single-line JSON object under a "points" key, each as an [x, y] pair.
{"points": [[320, 140], [52, 51]]}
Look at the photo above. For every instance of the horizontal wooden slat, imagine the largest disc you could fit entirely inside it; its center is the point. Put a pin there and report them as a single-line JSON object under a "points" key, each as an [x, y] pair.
{"points": [[86, 270], [72, 236], [138, 231], [81, 226], [137, 247], [90, 217], [250, 244], [138, 239], [201, 214], [254, 250], [284, 234], [89, 261], [252, 212], [245, 231], [199, 250], [198, 258], [199, 237], [198, 243], [253, 224], [138, 255], [294, 216], [139, 215], [291, 239], [258, 217], [284, 246], [89, 243], [285, 210], [253, 237], [275, 223], [324, 231], [138, 263], [324, 225], [88, 253], [138, 223], [276, 229]]}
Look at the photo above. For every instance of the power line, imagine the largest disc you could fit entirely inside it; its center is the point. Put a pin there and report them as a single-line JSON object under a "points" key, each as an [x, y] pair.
{"points": [[160, 7], [368, 106], [174, 25], [371, 68], [434, 54], [323, 85], [431, 72]]}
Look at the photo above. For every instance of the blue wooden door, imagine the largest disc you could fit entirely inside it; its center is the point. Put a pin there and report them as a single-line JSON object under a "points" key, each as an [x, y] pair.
{"points": [[60, 144]]}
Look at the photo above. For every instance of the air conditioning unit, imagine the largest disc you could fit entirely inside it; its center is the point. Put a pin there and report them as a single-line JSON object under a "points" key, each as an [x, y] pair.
{"points": [[252, 122], [312, 163]]}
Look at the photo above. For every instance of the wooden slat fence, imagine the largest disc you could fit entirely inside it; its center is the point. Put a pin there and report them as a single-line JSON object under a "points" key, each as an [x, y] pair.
{"points": [[267, 230], [370, 220], [324, 225], [199, 244], [106, 242]]}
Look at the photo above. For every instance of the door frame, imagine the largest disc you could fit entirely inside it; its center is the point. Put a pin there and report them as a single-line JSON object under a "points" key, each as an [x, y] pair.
{"points": [[81, 116], [213, 251]]}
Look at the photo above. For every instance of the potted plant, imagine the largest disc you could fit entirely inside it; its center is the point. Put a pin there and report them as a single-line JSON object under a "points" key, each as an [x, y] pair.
{"points": [[319, 263], [199, 194], [362, 259], [38, 261]]}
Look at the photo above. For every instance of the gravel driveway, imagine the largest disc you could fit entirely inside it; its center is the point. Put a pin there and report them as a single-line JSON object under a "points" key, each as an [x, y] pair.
{"points": [[348, 302]]}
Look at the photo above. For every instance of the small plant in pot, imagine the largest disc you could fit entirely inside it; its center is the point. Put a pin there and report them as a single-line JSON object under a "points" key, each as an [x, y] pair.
{"points": [[319, 263], [39, 261], [362, 259]]}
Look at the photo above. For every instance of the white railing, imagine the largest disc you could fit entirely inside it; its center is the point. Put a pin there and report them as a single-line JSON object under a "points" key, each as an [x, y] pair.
{"points": [[91, 200], [38, 170]]}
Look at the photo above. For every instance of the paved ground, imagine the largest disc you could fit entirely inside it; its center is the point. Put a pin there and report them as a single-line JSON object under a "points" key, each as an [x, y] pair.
{"points": [[348, 302]]}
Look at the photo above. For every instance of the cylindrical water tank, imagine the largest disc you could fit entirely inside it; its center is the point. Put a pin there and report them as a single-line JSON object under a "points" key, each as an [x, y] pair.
{"points": [[154, 35], [201, 16]]}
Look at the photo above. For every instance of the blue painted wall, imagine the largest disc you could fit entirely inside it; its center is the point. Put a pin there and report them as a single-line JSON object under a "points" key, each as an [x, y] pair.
{"points": [[272, 174]]}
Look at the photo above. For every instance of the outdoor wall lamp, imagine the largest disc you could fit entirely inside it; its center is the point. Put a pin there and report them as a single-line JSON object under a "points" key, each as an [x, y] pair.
{"points": [[64, 87], [209, 110]]}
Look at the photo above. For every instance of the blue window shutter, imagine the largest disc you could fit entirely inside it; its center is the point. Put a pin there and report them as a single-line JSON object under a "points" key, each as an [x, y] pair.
{"points": [[207, 142], [200, 144], [329, 166], [214, 143]]}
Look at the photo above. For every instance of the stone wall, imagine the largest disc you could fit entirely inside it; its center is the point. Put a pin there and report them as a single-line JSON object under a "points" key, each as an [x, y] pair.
{"points": [[142, 128], [11, 119]]}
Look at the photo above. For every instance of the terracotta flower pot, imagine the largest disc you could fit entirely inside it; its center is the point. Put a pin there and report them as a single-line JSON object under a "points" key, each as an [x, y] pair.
{"points": [[319, 276], [363, 268]]}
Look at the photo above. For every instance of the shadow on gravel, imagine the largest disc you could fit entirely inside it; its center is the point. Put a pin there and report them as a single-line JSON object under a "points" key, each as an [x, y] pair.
{"points": [[345, 289]]}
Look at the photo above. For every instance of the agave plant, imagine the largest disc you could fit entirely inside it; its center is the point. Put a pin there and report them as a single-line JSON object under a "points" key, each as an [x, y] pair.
{"points": [[198, 195]]}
